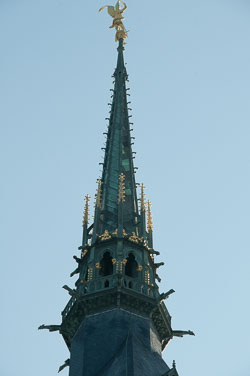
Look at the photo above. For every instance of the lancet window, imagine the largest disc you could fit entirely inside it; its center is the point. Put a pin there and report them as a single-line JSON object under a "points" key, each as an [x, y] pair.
{"points": [[131, 266], [106, 265]]}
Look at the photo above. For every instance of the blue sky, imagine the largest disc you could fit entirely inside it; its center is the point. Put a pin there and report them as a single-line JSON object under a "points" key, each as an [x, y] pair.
{"points": [[188, 63]]}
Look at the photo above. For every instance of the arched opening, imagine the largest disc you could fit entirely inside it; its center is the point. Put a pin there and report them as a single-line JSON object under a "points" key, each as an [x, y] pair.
{"points": [[106, 284], [131, 266], [106, 265], [130, 285]]}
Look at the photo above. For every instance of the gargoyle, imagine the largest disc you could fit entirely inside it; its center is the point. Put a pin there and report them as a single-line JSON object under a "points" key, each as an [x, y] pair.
{"points": [[165, 295], [157, 277], [66, 364], [51, 328], [70, 291], [181, 333], [153, 252], [77, 270], [157, 265], [78, 260]]}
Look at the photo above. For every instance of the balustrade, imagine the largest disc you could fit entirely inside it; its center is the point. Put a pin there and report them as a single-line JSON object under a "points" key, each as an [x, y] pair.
{"points": [[109, 282]]}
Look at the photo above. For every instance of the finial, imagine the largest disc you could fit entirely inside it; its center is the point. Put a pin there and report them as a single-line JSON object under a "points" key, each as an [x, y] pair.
{"points": [[98, 194], [142, 199], [116, 12], [174, 364], [121, 191], [85, 220], [150, 220]]}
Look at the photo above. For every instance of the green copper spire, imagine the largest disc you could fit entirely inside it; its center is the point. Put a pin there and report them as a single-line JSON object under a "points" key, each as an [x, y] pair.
{"points": [[118, 160], [116, 322]]}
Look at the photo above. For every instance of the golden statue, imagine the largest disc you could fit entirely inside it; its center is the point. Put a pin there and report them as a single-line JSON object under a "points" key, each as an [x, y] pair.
{"points": [[117, 13]]}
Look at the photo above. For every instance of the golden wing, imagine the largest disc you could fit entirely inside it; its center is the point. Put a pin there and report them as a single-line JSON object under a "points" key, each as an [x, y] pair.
{"points": [[111, 10]]}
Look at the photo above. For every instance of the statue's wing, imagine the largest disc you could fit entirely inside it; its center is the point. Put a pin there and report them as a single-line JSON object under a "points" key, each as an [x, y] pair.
{"points": [[102, 8], [111, 10]]}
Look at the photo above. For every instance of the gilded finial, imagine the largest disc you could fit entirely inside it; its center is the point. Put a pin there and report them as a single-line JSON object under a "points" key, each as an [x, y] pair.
{"points": [[149, 219], [121, 191], [85, 220], [116, 12], [142, 199], [98, 194]]}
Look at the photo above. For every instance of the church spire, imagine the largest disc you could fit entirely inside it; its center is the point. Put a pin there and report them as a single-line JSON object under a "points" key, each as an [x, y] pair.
{"points": [[116, 321], [118, 159]]}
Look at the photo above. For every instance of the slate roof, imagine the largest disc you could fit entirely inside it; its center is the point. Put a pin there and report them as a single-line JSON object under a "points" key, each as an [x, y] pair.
{"points": [[116, 343]]}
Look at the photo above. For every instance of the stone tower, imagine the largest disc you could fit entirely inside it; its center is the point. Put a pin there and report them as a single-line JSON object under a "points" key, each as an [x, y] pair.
{"points": [[116, 323]]}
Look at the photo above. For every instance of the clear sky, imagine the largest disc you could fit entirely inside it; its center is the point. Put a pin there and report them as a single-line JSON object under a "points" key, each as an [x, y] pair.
{"points": [[189, 67]]}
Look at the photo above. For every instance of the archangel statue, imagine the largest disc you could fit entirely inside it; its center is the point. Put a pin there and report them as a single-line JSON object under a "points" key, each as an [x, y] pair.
{"points": [[116, 13]]}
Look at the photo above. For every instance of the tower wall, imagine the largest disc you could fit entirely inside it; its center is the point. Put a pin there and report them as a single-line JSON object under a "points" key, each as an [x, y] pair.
{"points": [[116, 343]]}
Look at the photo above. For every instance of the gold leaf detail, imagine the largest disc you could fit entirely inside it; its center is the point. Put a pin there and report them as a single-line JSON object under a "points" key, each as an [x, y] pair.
{"points": [[98, 194], [85, 220], [134, 238], [105, 236], [121, 190], [142, 199], [84, 252], [149, 219]]}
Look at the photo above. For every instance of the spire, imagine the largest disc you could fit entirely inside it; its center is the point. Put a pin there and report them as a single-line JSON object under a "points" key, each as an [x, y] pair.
{"points": [[118, 158], [142, 213], [117, 272], [98, 201], [150, 225], [98, 194], [85, 221]]}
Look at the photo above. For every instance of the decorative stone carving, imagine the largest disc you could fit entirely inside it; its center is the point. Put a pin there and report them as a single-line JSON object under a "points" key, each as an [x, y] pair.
{"points": [[105, 236]]}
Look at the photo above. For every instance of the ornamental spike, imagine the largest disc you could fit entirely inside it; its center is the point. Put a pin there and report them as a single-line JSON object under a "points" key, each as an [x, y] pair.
{"points": [[98, 194], [142, 199], [149, 219], [85, 220], [121, 190]]}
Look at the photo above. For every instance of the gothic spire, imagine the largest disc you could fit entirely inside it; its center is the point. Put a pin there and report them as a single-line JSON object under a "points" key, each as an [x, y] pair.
{"points": [[117, 272], [85, 221], [150, 225], [118, 159]]}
